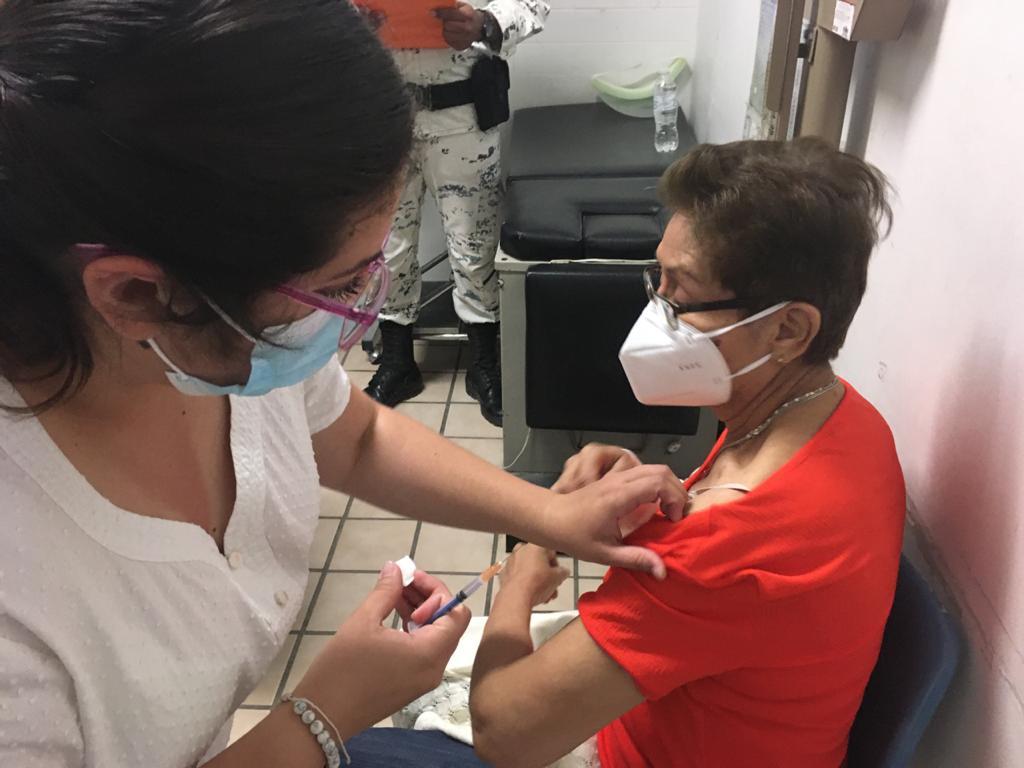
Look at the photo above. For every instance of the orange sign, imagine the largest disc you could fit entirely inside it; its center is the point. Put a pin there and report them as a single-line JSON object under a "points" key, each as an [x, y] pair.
{"points": [[407, 23]]}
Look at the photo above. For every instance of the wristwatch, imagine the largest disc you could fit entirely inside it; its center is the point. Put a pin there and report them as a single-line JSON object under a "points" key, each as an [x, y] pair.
{"points": [[490, 32]]}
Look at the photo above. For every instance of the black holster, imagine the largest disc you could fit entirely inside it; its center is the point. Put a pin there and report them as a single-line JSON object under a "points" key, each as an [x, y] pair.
{"points": [[490, 83]]}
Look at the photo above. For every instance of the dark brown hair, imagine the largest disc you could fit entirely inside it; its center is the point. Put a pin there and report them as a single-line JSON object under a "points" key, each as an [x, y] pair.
{"points": [[780, 221], [234, 143]]}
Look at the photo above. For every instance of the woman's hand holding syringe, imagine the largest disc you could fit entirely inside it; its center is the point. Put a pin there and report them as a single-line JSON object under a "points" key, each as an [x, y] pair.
{"points": [[368, 671]]}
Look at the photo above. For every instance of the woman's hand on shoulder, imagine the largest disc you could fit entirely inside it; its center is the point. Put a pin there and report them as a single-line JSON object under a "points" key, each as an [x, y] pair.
{"points": [[592, 522], [591, 464]]}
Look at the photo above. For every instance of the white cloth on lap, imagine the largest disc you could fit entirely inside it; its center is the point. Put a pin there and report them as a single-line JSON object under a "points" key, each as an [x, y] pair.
{"points": [[446, 708]]}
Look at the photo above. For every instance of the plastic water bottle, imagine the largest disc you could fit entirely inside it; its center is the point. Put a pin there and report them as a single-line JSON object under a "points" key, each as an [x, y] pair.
{"points": [[666, 109]]}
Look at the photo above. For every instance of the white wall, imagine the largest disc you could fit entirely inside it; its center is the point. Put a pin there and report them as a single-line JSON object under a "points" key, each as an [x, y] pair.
{"points": [[586, 37], [939, 342], [723, 67]]}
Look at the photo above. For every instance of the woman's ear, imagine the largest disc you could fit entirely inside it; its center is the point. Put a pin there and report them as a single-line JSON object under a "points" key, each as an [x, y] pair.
{"points": [[132, 295], [799, 324]]}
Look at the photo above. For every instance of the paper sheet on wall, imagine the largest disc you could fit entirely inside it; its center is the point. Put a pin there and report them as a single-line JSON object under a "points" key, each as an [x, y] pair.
{"points": [[407, 23], [842, 22]]}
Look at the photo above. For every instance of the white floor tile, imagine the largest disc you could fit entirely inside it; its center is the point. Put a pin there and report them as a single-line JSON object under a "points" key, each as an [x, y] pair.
{"points": [[589, 585], [437, 387], [340, 595], [332, 503], [459, 395], [488, 449], [428, 414], [314, 579], [591, 570], [357, 360], [309, 647], [362, 508], [245, 720], [323, 538], [465, 420], [368, 544], [446, 550]]}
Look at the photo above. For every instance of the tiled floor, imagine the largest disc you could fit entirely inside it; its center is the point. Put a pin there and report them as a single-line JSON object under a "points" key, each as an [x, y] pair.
{"points": [[354, 539]]}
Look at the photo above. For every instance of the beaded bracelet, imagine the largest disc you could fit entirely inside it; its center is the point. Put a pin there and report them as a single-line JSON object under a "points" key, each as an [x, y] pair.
{"points": [[318, 723]]}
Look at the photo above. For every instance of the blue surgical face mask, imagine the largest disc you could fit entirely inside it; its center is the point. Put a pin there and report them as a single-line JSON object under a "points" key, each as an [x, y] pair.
{"points": [[291, 354]]}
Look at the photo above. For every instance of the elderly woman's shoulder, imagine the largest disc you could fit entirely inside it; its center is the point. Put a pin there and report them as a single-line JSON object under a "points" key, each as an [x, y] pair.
{"points": [[860, 426]]}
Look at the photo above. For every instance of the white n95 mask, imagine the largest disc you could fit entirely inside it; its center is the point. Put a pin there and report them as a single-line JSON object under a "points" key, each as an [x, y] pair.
{"points": [[680, 366]]}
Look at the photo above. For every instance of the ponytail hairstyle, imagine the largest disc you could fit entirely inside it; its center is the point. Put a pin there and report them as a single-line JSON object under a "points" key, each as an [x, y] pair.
{"points": [[235, 143]]}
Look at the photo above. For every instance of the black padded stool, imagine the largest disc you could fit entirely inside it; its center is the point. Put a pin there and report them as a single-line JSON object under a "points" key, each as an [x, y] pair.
{"points": [[577, 316], [582, 218]]}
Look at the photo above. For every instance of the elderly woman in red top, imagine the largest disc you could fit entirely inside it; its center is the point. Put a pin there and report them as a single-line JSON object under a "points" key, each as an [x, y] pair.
{"points": [[755, 648]]}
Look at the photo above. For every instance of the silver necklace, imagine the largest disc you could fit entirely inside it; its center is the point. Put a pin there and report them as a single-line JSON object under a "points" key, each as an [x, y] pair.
{"points": [[804, 398]]}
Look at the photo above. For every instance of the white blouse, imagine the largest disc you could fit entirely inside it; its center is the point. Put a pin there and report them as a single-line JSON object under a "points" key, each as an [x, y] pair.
{"points": [[128, 640]]}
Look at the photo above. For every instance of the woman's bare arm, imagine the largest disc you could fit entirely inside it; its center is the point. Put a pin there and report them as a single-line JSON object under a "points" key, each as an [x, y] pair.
{"points": [[387, 459], [530, 708]]}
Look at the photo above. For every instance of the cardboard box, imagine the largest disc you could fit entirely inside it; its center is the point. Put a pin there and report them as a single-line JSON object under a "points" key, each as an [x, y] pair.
{"points": [[858, 20]]}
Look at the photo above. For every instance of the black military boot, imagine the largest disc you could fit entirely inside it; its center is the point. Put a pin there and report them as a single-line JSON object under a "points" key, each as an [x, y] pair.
{"points": [[483, 379], [398, 378]]}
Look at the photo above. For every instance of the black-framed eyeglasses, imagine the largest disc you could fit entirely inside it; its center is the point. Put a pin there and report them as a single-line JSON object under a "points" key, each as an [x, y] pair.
{"points": [[672, 310]]}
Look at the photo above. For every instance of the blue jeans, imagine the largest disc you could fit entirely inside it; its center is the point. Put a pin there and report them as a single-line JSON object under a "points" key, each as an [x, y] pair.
{"points": [[401, 748]]}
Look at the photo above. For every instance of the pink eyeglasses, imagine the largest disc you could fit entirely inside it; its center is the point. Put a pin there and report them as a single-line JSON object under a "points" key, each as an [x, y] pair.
{"points": [[362, 312], [371, 292]]}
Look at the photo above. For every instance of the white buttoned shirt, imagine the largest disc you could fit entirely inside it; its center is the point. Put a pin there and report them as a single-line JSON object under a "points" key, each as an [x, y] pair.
{"points": [[128, 640]]}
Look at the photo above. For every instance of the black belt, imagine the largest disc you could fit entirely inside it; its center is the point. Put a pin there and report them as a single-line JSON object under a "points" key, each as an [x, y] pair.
{"points": [[436, 97]]}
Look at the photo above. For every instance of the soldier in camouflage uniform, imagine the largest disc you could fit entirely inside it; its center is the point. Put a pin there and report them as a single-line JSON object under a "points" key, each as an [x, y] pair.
{"points": [[460, 165]]}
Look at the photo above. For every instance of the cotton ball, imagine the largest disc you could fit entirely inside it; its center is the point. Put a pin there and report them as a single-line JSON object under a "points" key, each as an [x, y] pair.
{"points": [[408, 569]]}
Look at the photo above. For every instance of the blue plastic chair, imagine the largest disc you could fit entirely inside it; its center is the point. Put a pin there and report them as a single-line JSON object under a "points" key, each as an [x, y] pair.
{"points": [[920, 653]]}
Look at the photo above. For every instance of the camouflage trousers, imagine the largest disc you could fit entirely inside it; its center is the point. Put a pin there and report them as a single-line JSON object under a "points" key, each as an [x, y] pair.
{"points": [[463, 174]]}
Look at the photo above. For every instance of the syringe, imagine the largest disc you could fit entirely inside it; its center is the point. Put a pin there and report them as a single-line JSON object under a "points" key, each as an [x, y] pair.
{"points": [[464, 594]]}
